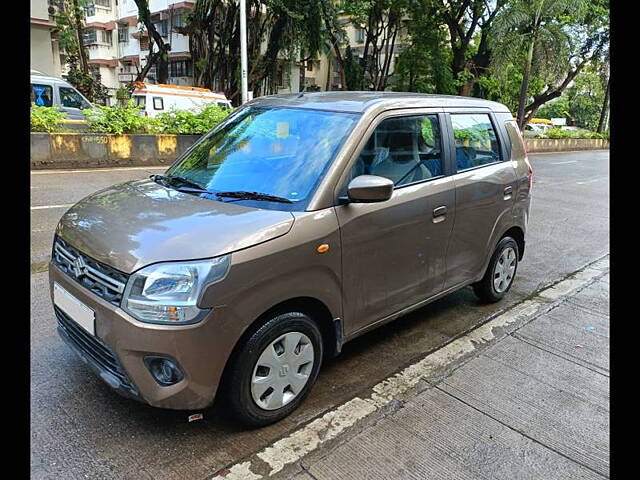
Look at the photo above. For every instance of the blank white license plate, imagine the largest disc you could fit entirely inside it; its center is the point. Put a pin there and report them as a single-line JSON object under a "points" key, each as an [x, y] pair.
{"points": [[77, 311]]}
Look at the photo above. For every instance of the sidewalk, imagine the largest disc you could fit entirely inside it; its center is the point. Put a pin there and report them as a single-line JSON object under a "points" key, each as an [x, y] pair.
{"points": [[534, 404]]}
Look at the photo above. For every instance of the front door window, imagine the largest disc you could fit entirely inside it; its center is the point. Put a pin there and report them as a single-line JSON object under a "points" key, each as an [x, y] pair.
{"points": [[403, 149]]}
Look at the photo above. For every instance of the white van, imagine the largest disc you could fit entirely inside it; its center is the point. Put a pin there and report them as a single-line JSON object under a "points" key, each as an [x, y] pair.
{"points": [[48, 91], [156, 99]]}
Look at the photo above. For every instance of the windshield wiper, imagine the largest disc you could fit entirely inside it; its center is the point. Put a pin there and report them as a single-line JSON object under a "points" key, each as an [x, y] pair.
{"points": [[168, 179], [243, 195], [192, 187]]}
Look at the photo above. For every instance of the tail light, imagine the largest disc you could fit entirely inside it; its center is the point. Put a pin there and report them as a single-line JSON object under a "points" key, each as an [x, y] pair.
{"points": [[529, 173]]}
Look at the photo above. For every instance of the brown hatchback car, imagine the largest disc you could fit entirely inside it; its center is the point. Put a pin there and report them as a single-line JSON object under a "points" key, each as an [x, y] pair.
{"points": [[297, 224]]}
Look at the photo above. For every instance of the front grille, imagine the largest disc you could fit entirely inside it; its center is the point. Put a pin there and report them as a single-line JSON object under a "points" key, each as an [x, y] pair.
{"points": [[104, 281], [101, 355]]}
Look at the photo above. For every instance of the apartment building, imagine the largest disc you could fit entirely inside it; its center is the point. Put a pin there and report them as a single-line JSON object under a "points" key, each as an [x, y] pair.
{"points": [[118, 46], [45, 54]]}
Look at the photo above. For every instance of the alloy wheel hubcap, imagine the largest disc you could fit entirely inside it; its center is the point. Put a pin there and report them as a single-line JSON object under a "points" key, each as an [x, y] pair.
{"points": [[282, 370], [504, 270]]}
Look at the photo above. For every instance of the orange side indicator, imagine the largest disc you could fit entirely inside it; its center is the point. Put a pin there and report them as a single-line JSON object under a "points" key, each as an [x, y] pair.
{"points": [[323, 248]]}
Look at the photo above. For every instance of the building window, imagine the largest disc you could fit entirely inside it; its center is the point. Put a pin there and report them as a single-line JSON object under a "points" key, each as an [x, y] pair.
{"points": [[89, 10], [144, 44], [90, 36], [103, 3], [178, 20], [106, 37], [123, 33], [360, 35], [309, 65], [162, 27], [94, 70], [180, 68]]}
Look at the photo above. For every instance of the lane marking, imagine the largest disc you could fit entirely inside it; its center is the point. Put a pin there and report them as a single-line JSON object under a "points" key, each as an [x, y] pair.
{"points": [[301, 442], [570, 151], [590, 181], [44, 207], [564, 163], [96, 170]]}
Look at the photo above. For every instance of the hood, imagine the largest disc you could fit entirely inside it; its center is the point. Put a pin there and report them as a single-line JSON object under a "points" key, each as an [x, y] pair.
{"points": [[134, 224]]}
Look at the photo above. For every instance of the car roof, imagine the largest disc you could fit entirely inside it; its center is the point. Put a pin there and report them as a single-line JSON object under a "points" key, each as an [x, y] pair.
{"points": [[359, 102], [43, 77]]}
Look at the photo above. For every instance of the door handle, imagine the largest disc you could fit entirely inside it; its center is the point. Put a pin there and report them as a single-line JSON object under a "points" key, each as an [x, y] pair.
{"points": [[439, 214], [507, 192]]}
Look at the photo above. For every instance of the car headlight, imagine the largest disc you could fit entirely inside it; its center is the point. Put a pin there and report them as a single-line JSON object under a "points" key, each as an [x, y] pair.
{"points": [[167, 293]]}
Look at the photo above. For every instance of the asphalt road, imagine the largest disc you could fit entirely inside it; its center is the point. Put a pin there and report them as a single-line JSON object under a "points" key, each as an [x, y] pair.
{"points": [[81, 429]]}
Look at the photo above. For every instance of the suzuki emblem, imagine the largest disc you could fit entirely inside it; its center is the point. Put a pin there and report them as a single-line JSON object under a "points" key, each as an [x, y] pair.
{"points": [[78, 267]]}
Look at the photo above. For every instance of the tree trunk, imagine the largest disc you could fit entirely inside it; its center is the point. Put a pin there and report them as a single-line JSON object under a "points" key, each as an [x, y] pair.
{"points": [[162, 58], [82, 54], [605, 106], [524, 87], [334, 46]]}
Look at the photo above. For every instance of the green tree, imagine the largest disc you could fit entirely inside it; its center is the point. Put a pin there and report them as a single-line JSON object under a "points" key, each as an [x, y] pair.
{"points": [[426, 64], [159, 58], [353, 71], [381, 21], [535, 27], [69, 20], [289, 28]]}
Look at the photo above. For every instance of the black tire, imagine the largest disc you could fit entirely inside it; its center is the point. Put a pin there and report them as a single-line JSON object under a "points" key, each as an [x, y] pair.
{"points": [[238, 390], [485, 289]]}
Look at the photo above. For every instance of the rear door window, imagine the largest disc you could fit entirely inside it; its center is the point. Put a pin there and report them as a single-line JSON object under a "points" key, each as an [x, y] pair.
{"points": [[475, 140], [42, 95]]}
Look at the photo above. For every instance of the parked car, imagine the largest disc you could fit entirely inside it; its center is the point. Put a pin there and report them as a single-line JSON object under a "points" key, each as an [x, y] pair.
{"points": [[533, 129], [297, 224], [156, 99], [48, 91]]}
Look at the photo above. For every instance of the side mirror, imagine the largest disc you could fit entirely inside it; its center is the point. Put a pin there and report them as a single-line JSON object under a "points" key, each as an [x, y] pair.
{"points": [[369, 189]]}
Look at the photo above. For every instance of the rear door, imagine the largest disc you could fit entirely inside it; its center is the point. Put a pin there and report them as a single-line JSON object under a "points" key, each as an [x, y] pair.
{"points": [[393, 252], [485, 184]]}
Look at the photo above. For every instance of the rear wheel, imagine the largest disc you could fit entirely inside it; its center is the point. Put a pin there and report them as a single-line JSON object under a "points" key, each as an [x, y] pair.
{"points": [[500, 272], [275, 369]]}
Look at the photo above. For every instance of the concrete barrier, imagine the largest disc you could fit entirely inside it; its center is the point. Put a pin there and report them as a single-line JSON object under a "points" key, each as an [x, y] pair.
{"points": [[564, 144], [82, 150]]}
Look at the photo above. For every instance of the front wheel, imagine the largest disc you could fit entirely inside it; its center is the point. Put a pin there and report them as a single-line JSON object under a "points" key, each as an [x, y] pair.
{"points": [[275, 369], [500, 272]]}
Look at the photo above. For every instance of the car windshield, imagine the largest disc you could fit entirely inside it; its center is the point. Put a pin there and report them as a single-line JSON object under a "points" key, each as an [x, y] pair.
{"points": [[282, 152]]}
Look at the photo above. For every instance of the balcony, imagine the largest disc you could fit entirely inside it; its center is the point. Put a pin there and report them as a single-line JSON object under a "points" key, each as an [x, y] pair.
{"points": [[99, 11], [101, 51]]}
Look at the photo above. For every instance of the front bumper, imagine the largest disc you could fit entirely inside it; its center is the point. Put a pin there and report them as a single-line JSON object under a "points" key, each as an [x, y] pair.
{"points": [[121, 343]]}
